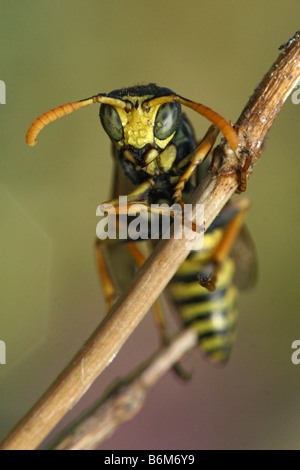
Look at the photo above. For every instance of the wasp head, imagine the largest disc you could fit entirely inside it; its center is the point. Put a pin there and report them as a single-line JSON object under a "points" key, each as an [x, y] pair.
{"points": [[141, 130]]}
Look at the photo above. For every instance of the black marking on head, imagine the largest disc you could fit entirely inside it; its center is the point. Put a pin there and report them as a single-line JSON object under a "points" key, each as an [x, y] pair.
{"points": [[130, 170], [141, 90]]}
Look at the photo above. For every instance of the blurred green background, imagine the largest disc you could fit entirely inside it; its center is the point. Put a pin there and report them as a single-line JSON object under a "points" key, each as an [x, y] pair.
{"points": [[53, 52]]}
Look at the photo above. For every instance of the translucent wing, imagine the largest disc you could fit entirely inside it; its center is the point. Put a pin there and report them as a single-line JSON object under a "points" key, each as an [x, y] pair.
{"points": [[244, 255], [121, 184], [119, 261], [243, 252]]}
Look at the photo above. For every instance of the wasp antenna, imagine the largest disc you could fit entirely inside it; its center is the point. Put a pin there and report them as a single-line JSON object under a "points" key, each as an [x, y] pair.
{"points": [[221, 123], [65, 109], [51, 116]]}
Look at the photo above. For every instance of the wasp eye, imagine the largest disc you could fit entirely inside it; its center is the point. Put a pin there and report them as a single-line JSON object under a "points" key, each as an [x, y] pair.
{"points": [[111, 122], [167, 120]]}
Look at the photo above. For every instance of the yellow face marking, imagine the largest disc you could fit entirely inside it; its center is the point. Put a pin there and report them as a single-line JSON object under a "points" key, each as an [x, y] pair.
{"points": [[129, 157], [167, 158], [151, 155], [138, 124], [152, 168]]}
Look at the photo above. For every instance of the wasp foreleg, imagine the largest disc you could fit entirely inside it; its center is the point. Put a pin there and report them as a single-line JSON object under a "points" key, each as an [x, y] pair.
{"points": [[109, 288], [194, 159], [243, 172], [208, 276]]}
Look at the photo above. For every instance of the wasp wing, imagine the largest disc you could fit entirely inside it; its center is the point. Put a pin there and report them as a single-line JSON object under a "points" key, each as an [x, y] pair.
{"points": [[121, 184], [243, 251], [120, 263], [245, 259]]}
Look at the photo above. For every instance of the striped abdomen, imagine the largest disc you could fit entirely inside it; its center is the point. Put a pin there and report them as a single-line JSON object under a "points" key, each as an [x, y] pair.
{"points": [[212, 314]]}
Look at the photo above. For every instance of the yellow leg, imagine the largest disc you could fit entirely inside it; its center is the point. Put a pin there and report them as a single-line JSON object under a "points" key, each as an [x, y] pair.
{"points": [[134, 208], [138, 195], [243, 173], [108, 285], [194, 159], [223, 248]]}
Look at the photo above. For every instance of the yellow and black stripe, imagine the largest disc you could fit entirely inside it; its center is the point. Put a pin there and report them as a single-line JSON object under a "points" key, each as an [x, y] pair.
{"points": [[212, 314]]}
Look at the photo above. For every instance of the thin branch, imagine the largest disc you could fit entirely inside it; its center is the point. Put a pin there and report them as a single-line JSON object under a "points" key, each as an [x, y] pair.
{"points": [[124, 398], [217, 188]]}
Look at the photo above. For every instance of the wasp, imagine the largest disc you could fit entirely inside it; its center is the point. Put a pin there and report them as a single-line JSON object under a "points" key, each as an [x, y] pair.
{"points": [[157, 159]]}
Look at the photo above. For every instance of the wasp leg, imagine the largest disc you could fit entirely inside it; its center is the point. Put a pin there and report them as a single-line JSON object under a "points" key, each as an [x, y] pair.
{"points": [[135, 202], [194, 159], [157, 311], [208, 276], [137, 207], [138, 195], [109, 288], [243, 172]]}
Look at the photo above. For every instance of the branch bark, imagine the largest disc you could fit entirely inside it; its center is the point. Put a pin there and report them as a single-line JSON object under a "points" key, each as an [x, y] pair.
{"points": [[219, 185], [123, 399]]}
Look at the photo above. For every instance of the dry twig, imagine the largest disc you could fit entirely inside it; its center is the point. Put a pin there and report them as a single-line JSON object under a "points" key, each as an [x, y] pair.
{"points": [[124, 398], [219, 185]]}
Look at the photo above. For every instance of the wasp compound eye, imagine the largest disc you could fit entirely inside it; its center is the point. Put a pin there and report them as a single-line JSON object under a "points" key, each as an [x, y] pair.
{"points": [[167, 120], [111, 122]]}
